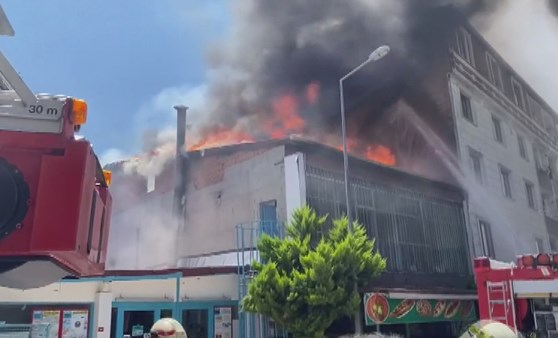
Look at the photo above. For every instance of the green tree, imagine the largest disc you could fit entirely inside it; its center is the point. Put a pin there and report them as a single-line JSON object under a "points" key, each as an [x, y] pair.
{"points": [[306, 280]]}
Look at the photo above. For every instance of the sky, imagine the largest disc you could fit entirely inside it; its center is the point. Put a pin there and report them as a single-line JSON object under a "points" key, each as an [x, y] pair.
{"points": [[129, 59]]}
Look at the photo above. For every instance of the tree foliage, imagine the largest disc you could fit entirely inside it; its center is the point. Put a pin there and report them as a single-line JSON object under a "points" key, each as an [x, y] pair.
{"points": [[307, 279]]}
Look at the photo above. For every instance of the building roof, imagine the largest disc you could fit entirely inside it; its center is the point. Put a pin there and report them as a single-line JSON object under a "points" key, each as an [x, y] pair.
{"points": [[300, 143]]}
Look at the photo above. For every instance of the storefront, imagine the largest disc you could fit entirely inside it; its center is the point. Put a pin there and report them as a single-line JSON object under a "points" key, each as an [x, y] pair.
{"points": [[201, 319], [419, 315], [127, 306]]}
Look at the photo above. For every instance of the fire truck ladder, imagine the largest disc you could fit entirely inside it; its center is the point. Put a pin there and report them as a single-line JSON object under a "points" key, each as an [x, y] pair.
{"points": [[500, 294]]}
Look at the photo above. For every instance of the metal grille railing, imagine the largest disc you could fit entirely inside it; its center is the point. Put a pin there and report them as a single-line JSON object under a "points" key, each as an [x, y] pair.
{"points": [[24, 331], [415, 232], [247, 236]]}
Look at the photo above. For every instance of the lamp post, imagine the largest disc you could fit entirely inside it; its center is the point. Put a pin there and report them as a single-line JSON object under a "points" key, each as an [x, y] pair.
{"points": [[376, 55]]}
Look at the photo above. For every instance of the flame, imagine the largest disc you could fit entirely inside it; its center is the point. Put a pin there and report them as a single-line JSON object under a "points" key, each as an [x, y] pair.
{"points": [[312, 92], [286, 120], [221, 137], [381, 154]]}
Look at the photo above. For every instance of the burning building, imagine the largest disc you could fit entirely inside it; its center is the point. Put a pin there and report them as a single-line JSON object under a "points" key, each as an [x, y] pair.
{"points": [[233, 193], [443, 104], [442, 128]]}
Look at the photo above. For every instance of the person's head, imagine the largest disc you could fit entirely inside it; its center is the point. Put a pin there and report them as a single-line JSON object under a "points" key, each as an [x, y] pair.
{"points": [[167, 328]]}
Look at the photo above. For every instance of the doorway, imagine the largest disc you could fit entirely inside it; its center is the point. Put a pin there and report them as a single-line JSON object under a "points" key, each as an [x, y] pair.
{"points": [[134, 319], [196, 322]]}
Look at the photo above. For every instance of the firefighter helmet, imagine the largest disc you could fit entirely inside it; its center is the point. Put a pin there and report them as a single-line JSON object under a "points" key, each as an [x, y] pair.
{"points": [[489, 329], [167, 328]]}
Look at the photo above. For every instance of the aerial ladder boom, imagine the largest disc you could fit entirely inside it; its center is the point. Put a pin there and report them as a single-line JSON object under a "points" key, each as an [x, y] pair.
{"points": [[55, 203]]}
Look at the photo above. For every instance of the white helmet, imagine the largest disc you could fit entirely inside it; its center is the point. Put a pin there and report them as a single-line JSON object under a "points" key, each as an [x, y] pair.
{"points": [[489, 329], [167, 328]]}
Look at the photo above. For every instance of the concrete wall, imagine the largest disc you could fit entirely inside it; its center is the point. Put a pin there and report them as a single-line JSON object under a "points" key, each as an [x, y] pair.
{"points": [[514, 225], [225, 190], [191, 288]]}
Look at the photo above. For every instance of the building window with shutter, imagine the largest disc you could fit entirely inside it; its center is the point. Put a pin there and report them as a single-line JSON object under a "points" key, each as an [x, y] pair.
{"points": [[505, 178], [540, 245], [530, 193], [518, 93], [467, 109], [494, 74], [465, 46], [522, 147], [476, 164], [498, 134], [486, 239]]}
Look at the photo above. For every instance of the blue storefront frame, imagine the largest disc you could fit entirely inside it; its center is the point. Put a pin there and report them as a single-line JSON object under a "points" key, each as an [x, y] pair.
{"points": [[156, 306], [176, 308]]}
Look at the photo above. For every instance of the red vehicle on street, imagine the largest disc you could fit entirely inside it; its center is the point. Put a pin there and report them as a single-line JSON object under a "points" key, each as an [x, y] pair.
{"points": [[522, 295]]}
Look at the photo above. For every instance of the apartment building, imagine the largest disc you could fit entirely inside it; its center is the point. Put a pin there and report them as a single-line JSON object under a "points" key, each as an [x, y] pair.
{"points": [[235, 192], [475, 122], [507, 145]]}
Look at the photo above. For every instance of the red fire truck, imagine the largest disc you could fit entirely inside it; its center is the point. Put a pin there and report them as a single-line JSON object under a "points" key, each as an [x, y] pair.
{"points": [[55, 204], [522, 295]]}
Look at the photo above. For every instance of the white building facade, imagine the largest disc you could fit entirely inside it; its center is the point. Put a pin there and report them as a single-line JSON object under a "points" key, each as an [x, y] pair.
{"points": [[506, 140]]}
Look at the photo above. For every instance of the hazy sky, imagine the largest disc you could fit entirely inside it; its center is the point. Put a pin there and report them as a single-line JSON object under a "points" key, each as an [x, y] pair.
{"points": [[118, 55]]}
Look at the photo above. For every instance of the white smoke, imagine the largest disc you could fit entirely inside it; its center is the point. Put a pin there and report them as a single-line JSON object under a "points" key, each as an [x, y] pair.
{"points": [[525, 33], [142, 236]]}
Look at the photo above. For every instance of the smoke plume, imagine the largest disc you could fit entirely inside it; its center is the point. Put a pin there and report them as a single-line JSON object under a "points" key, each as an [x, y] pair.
{"points": [[281, 47], [525, 32], [280, 52]]}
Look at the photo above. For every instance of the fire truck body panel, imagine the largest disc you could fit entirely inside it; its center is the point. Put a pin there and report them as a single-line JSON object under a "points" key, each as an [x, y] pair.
{"points": [[506, 291], [67, 204]]}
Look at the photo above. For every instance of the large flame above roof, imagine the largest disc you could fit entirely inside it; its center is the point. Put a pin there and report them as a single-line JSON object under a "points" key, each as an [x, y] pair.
{"points": [[286, 120]]}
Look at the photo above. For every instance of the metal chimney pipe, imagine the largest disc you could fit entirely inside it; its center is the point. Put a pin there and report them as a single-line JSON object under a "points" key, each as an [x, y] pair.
{"points": [[180, 184]]}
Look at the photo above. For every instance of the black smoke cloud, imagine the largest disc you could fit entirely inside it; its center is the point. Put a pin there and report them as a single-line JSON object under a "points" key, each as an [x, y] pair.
{"points": [[279, 47], [553, 5]]}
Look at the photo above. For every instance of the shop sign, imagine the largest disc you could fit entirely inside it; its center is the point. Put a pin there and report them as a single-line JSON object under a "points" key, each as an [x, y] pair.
{"points": [[380, 309], [222, 322]]}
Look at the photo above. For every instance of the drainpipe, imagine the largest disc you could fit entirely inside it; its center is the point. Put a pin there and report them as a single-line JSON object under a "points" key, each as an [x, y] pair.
{"points": [[177, 296], [179, 185], [180, 174]]}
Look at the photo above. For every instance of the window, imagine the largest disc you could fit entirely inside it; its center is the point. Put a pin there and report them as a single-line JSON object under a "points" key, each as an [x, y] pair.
{"points": [[494, 74], [476, 164], [465, 46], [505, 177], [498, 134], [466, 108], [554, 244], [540, 245], [535, 109], [268, 218], [530, 193], [518, 93], [522, 148], [486, 239]]}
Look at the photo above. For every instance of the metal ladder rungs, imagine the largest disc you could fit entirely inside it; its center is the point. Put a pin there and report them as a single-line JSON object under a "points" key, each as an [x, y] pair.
{"points": [[498, 302]]}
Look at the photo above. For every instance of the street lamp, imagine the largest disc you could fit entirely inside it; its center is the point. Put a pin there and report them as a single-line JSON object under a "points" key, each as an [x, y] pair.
{"points": [[376, 55]]}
